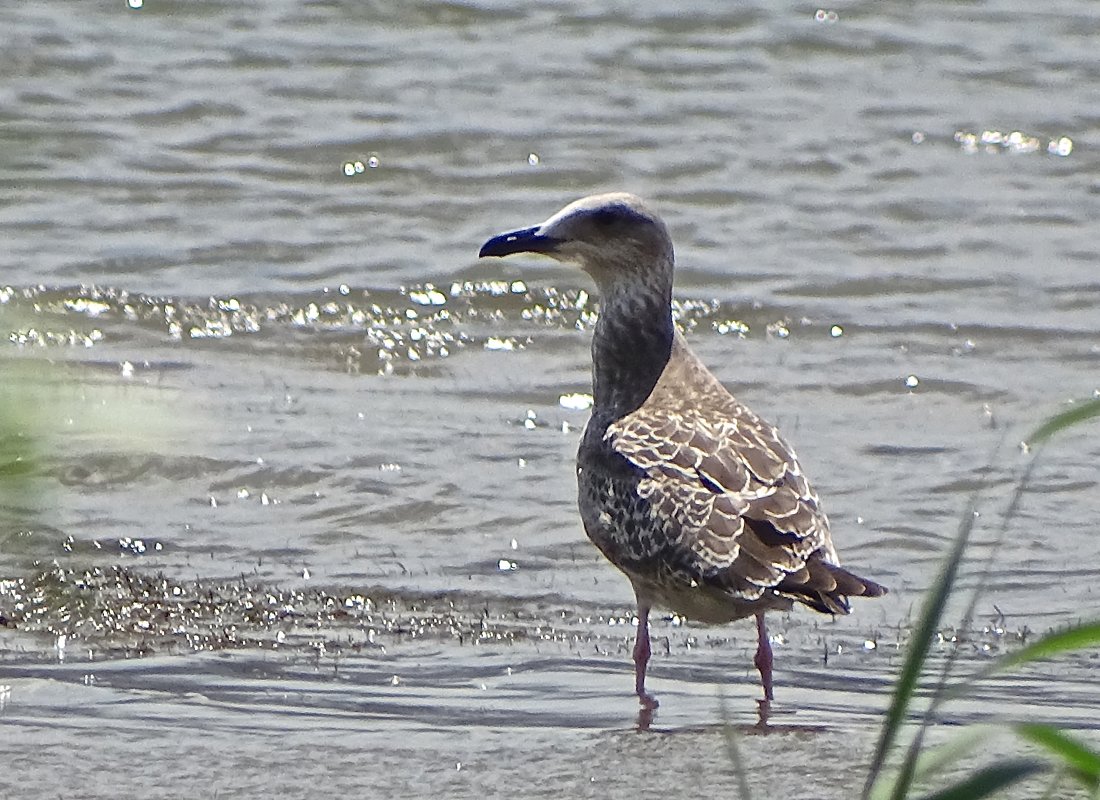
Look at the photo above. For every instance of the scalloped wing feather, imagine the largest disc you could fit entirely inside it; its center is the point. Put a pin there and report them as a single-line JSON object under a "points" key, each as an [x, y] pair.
{"points": [[739, 512]]}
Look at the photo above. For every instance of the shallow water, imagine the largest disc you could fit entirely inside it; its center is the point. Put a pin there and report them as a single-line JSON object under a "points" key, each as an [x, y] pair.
{"points": [[286, 487]]}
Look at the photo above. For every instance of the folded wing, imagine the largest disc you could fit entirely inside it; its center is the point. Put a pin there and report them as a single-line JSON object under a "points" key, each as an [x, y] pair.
{"points": [[740, 515]]}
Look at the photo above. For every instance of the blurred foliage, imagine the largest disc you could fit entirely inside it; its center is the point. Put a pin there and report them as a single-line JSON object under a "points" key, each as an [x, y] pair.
{"points": [[1065, 755], [19, 422]]}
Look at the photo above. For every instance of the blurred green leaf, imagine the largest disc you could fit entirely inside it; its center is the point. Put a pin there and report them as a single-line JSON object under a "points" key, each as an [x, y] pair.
{"points": [[1080, 412], [919, 644], [1083, 762], [733, 751], [1075, 637], [15, 467], [989, 780], [986, 781], [937, 760]]}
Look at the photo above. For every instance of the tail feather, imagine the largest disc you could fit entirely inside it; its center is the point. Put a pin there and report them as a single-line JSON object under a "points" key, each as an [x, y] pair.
{"points": [[826, 587]]}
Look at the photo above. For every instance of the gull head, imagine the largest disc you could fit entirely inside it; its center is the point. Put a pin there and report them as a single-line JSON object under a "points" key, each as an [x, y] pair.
{"points": [[610, 236]]}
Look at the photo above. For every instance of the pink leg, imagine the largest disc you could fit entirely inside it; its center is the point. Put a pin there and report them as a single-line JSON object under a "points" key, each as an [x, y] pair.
{"points": [[763, 660], [641, 657]]}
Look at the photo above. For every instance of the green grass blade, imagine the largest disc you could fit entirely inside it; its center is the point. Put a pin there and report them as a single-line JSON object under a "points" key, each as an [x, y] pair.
{"points": [[903, 781], [15, 468], [920, 643], [989, 780], [733, 751], [1082, 761], [1080, 412], [938, 760], [993, 778], [1076, 637]]}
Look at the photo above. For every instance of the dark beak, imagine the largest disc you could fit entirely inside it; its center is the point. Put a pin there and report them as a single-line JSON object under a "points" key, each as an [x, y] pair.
{"points": [[527, 240]]}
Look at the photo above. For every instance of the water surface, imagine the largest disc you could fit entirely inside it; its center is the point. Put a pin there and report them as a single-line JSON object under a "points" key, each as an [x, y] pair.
{"points": [[286, 488]]}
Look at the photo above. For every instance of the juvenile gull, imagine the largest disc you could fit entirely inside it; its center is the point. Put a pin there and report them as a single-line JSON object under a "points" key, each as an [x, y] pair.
{"points": [[694, 497]]}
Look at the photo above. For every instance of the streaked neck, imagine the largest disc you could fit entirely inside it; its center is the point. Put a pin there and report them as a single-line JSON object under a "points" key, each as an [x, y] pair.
{"points": [[631, 344]]}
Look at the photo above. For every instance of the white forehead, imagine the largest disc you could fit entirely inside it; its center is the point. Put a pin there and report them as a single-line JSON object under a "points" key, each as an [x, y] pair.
{"points": [[598, 201]]}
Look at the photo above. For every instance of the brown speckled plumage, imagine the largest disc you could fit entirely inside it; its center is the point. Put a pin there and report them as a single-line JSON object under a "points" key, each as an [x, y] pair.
{"points": [[694, 497]]}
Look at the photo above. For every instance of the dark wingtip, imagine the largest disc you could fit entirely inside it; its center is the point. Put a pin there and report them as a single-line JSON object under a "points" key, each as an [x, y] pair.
{"points": [[826, 587], [526, 240], [872, 589], [854, 585]]}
